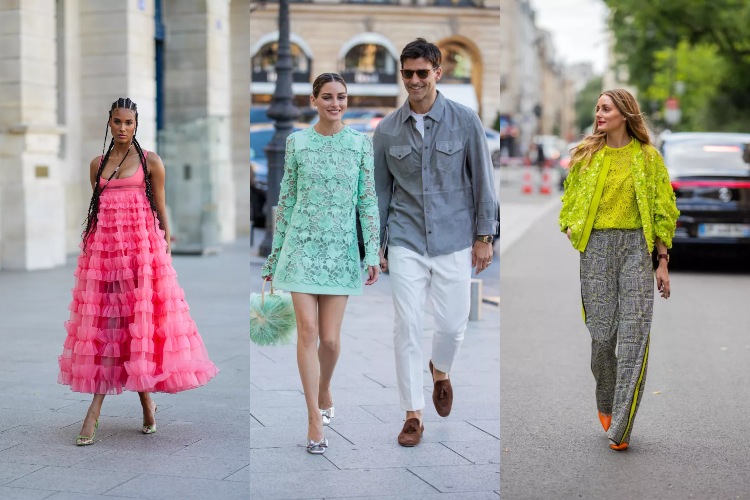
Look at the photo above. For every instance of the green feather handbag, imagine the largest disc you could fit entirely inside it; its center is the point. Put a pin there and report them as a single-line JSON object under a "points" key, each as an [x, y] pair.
{"points": [[272, 319]]}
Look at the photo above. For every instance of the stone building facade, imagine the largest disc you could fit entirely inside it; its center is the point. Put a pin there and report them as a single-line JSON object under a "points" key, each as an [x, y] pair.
{"points": [[65, 61], [537, 97], [363, 39]]}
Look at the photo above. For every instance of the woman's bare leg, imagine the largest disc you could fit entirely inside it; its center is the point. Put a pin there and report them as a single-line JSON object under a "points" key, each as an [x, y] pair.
{"points": [[92, 415], [149, 408], [306, 310], [330, 316]]}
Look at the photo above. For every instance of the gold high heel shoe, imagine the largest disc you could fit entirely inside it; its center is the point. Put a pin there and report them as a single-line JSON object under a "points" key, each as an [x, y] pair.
{"points": [[150, 429], [82, 440]]}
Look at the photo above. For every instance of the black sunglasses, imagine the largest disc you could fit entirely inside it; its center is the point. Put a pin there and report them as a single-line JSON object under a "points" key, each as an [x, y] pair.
{"points": [[421, 73]]}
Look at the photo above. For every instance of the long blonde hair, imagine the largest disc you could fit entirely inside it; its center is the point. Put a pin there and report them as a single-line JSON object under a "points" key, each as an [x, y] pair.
{"points": [[635, 125]]}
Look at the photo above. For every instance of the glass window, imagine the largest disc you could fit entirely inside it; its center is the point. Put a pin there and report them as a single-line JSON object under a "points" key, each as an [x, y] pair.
{"points": [[369, 63], [456, 63], [264, 64]]}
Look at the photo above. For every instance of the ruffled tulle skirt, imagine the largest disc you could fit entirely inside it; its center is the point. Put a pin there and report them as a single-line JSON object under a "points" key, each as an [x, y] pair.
{"points": [[129, 326]]}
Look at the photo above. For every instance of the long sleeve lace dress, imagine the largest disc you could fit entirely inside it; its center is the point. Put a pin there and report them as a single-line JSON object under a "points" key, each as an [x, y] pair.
{"points": [[326, 180]]}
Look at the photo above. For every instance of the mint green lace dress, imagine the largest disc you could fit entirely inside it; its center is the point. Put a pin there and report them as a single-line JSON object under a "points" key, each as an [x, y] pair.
{"points": [[315, 244]]}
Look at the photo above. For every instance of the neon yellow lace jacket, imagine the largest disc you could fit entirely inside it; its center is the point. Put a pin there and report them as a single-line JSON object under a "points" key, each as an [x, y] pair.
{"points": [[654, 196]]}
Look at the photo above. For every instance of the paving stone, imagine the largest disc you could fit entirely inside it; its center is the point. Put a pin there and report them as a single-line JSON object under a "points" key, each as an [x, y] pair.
{"points": [[163, 464], [474, 495], [476, 452], [48, 454], [11, 471], [151, 486], [460, 478], [271, 417], [8, 493], [383, 456], [72, 480], [491, 427], [227, 447], [339, 483], [66, 495], [294, 458], [276, 399], [285, 437], [242, 475]]}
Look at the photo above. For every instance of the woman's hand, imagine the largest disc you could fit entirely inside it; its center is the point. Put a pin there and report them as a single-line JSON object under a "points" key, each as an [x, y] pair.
{"points": [[373, 272], [662, 279], [569, 233]]}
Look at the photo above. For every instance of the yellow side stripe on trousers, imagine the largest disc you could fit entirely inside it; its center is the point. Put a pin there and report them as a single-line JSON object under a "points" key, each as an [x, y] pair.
{"points": [[637, 390]]}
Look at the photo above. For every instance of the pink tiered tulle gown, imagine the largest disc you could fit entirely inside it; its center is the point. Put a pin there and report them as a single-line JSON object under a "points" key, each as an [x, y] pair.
{"points": [[129, 324]]}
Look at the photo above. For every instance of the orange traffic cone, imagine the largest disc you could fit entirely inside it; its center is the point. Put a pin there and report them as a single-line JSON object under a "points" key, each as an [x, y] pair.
{"points": [[546, 187], [527, 187]]}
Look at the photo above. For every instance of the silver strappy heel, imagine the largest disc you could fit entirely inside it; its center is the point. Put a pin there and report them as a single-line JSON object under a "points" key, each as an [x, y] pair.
{"points": [[317, 448], [327, 415]]}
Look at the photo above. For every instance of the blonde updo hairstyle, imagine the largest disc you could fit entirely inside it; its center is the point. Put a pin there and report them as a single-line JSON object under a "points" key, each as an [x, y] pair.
{"points": [[635, 125]]}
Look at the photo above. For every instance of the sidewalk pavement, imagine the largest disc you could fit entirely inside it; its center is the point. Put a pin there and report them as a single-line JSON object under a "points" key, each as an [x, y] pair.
{"points": [[459, 455], [201, 448]]}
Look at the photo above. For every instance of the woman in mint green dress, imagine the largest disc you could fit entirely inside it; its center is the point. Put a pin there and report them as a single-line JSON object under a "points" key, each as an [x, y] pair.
{"points": [[328, 174]]}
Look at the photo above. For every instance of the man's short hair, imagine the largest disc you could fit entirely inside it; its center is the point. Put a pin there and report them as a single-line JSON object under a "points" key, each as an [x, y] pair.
{"points": [[422, 48]]}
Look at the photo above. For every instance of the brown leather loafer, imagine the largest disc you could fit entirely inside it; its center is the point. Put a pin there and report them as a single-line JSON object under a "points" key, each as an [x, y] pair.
{"points": [[442, 394], [411, 434]]}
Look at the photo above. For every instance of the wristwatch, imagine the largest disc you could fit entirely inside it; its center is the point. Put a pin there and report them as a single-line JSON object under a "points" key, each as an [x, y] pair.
{"points": [[486, 238], [663, 256]]}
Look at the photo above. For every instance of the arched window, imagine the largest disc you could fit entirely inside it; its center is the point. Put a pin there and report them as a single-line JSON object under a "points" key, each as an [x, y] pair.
{"points": [[456, 63], [369, 63], [264, 63]]}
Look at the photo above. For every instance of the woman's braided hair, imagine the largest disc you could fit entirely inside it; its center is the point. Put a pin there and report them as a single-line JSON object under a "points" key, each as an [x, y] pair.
{"points": [[93, 212]]}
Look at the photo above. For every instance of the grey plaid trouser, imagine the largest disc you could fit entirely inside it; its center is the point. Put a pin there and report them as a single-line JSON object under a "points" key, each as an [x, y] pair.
{"points": [[617, 288]]}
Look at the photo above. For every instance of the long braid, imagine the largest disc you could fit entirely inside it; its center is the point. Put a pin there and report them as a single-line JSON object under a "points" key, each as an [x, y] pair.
{"points": [[93, 212], [149, 191]]}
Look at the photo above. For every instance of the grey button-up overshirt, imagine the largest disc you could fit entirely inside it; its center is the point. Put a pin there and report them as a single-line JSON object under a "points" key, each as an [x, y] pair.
{"points": [[435, 194]]}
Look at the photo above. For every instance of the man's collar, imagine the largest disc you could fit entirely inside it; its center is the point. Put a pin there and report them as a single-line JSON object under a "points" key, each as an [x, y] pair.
{"points": [[435, 112]]}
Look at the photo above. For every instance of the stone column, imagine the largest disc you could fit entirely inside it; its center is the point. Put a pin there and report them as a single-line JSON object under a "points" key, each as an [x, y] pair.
{"points": [[32, 217], [241, 76], [198, 101]]}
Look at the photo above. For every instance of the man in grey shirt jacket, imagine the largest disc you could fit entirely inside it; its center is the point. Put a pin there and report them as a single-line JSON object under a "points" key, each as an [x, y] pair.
{"points": [[438, 212]]}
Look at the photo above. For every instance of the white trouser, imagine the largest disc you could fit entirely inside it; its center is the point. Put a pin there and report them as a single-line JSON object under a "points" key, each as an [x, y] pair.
{"points": [[448, 279]]}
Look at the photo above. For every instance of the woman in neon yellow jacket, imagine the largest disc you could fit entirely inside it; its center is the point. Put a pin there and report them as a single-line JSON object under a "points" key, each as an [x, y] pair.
{"points": [[618, 205]]}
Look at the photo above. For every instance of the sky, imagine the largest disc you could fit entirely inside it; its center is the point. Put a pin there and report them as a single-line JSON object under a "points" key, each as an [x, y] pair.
{"points": [[578, 29]]}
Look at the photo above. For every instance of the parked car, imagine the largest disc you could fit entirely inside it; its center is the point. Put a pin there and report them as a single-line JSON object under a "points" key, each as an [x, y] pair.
{"points": [[552, 148], [260, 136], [259, 115], [712, 185]]}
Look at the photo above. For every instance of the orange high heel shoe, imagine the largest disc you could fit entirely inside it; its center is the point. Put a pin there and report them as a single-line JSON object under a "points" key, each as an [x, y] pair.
{"points": [[619, 447], [605, 419]]}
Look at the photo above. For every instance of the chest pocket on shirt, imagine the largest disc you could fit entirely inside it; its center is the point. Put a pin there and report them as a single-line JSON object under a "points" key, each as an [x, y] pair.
{"points": [[403, 160], [449, 155]]}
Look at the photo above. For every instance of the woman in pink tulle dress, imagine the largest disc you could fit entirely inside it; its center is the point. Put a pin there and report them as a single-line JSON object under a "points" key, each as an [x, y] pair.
{"points": [[129, 326]]}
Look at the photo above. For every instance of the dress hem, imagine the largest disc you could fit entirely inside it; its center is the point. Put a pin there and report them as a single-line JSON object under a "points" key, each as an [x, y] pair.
{"points": [[315, 289]]}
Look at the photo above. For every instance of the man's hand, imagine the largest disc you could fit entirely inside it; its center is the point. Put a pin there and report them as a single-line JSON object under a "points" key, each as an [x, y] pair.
{"points": [[383, 262], [481, 256]]}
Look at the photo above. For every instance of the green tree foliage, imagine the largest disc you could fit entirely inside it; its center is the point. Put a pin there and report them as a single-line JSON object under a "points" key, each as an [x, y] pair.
{"points": [[705, 44], [586, 102]]}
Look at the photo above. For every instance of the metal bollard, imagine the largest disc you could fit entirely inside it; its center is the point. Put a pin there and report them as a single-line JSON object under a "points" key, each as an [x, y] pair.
{"points": [[475, 311]]}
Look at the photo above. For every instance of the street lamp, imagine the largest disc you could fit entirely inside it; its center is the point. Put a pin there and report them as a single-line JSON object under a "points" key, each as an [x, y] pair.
{"points": [[284, 113]]}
